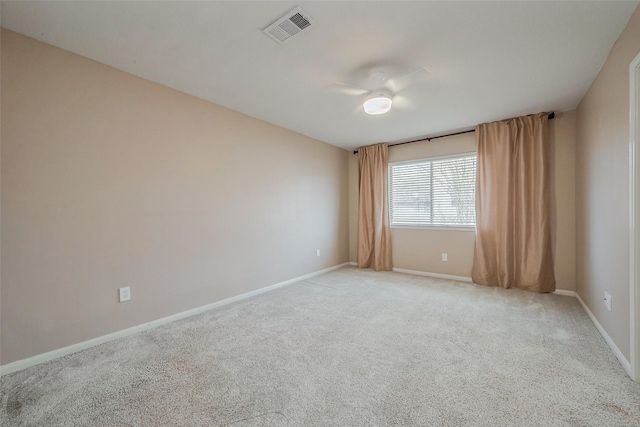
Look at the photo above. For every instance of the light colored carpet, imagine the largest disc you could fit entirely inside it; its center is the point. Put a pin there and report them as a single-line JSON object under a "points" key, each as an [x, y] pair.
{"points": [[348, 348]]}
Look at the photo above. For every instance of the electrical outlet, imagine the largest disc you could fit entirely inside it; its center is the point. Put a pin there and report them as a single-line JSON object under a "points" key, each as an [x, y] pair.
{"points": [[444, 257], [125, 293], [318, 252], [607, 300]]}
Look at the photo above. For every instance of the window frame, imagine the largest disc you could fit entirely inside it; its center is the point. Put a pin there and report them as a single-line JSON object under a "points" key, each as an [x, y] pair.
{"points": [[430, 159]]}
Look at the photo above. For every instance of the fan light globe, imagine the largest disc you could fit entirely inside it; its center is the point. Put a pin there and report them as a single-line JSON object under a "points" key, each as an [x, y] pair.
{"points": [[378, 103]]}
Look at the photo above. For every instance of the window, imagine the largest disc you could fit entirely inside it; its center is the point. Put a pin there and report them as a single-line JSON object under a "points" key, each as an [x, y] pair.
{"points": [[436, 192]]}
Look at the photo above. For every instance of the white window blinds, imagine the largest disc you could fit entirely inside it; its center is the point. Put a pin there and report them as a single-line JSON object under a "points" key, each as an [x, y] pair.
{"points": [[437, 192]]}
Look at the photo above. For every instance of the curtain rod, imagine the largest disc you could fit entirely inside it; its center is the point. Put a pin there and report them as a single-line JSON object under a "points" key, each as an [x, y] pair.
{"points": [[552, 115]]}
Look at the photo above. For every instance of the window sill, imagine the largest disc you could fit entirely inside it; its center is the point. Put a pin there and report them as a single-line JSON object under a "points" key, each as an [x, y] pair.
{"points": [[433, 227]]}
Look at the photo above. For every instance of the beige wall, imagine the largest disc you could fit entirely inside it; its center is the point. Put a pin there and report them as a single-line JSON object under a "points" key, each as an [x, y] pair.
{"points": [[602, 188], [562, 133], [421, 249], [110, 180], [354, 182]]}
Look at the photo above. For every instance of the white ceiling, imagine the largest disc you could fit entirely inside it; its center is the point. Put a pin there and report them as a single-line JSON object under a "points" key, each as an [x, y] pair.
{"points": [[487, 60]]}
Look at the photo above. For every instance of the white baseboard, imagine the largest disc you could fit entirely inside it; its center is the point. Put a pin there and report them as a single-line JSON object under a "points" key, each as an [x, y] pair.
{"points": [[74, 348], [436, 275], [426, 273], [565, 293], [616, 351]]}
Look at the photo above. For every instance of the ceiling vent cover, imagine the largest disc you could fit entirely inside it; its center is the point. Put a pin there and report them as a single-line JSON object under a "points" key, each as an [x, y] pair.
{"points": [[289, 26]]}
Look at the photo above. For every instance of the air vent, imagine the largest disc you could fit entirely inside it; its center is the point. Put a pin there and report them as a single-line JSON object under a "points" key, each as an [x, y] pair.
{"points": [[289, 26]]}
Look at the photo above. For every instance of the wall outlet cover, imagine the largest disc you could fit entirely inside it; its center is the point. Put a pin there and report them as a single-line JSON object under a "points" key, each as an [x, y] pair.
{"points": [[125, 293], [607, 300]]}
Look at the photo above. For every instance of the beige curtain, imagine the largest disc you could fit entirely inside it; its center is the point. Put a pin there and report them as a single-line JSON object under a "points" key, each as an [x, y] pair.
{"points": [[374, 234], [513, 238]]}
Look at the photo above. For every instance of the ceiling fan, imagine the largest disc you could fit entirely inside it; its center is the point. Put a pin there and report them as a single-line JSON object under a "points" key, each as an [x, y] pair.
{"points": [[379, 91]]}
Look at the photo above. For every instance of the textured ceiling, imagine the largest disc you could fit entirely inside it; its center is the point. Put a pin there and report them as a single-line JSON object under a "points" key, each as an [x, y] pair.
{"points": [[485, 60]]}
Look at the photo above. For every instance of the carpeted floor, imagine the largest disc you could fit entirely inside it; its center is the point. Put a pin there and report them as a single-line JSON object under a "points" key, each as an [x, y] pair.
{"points": [[348, 348]]}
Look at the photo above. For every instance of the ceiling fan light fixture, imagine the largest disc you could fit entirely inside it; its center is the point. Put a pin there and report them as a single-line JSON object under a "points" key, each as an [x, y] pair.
{"points": [[377, 103]]}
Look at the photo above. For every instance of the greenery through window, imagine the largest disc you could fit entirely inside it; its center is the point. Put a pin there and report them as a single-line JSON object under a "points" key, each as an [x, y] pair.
{"points": [[436, 192]]}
